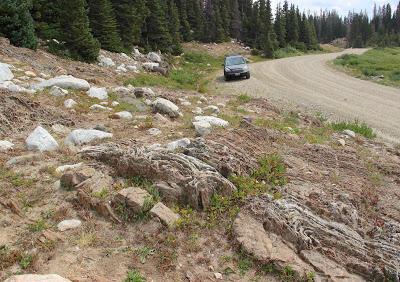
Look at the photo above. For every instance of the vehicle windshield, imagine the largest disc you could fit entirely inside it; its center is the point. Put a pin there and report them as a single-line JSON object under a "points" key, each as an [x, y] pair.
{"points": [[235, 61]]}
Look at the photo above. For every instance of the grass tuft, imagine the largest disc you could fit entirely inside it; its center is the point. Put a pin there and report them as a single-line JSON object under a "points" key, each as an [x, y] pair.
{"points": [[134, 276], [360, 128]]}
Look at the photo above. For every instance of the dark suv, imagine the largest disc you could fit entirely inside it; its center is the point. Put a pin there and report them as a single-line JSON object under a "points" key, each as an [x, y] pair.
{"points": [[236, 66]]}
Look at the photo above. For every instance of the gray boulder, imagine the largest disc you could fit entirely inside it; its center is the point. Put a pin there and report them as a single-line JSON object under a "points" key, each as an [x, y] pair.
{"points": [[165, 214], [69, 104], [214, 121], [68, 224], [202, 127], [152, 56], [177, 144], [150, 66], [164, 106], [58, 91], [5, 72], [349, 133], [98, 92], [84, 136], [105, 62], [65, 82], [5, 145], [41, 140]]}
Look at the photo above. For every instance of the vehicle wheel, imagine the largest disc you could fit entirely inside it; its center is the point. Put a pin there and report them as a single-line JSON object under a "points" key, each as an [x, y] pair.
{"points": [[248, 76], [227, 78]]}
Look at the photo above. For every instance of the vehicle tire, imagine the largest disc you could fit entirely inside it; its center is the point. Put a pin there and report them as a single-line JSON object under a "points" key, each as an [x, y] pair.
{"points": [[227, 78], [248, 76]]}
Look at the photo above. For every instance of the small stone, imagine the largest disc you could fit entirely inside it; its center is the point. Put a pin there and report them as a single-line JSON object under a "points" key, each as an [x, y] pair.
{"points": [[41, 140], [165, 214], [122, 68], [5, 145], [218, 275], [69, 104], [122, 115], [177, 144], [70, 179], [85, 136], [349, 133], [144, 92], [214, 121], [203, 99], [197, 111], [186, 103], [58, 91], [30, 74], [134, 197], [64, 168], [121, 90], [152, 56], [154, 131], [342, 142], [68, 224], [150, 66], [97, 107], [159, 117], [165, 106], [202, 127], [213, 109], [105, 62], [98, 92], [114, 103], [132, 68]]}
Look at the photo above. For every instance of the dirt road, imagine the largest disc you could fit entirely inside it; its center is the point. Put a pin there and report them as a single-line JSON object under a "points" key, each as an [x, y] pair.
{"points": [[309, 83]]}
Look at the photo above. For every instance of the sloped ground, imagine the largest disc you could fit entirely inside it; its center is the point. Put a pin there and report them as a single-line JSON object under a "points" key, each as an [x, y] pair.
{"points": [[353, 188]]}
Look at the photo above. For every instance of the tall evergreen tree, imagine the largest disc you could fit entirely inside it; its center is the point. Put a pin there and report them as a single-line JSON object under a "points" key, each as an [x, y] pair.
{"points": [[104, 25], [76, 31], [195, 18], [293, 28], [130, 16], [236, 22], [16, 23], [397, 19], [46, 17], [155, 33], [173, 27], [185, 28], [280, 26]]}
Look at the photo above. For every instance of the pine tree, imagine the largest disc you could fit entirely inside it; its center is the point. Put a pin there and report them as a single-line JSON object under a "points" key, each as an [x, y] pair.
{"points": [[185, 28], [195, 17], [76, 32], [280, 27], [397, 19], [173, 27], [130, 16], [46, 17], [104, 25], [236, 22], [16, 23], [155, 33], [293, 28], [214, 31]]}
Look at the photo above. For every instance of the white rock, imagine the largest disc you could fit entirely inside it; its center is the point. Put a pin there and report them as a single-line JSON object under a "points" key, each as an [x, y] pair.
{"points": [[154, 131], [214, 121], [58, 91], [5, 145], [10, 86], [114, 103], [150, 66], [125, 56], [38, 79], [197, 111], [84, 136], [148, 102], [37, 278], [349, 133], [5, 72], [70, 103], [68, 224], [97, 107], [104, 103], [98, 92], [30, 74], [186, 103], [122, 68], [342, 142], [152, 56], [159, 117], [218, 275], [155, 147], [121, 90], [132, 68], [165, 106], [203, 99], [136, 53], [41, 140], [181, 143], [213, 109], [44, 75], [65, 82], [123, 115], [105, 61], [64, 168], [202, 127]]}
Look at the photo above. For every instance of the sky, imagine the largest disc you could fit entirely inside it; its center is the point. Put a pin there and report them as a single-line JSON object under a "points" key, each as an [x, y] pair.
{"points": [[341, 6]]}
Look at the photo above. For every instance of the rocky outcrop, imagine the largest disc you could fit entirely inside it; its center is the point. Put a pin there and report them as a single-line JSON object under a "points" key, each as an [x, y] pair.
{"points": [[184, 179], [65, 82], [286, 232]]}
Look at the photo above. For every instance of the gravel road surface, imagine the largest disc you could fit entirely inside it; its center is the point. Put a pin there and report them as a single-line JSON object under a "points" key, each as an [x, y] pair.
{"points": [[309, 83]]}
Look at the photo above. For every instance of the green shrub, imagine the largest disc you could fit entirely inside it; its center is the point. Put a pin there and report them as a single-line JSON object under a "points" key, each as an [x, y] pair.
{"points": [[135, 276]]}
